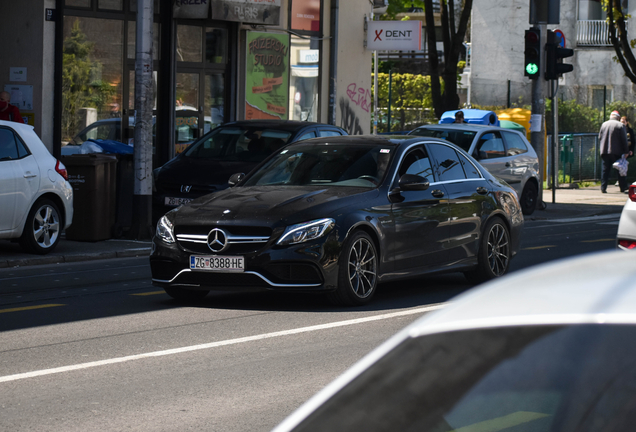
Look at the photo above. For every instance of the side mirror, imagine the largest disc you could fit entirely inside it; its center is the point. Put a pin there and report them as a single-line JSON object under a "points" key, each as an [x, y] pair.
{"points": [[410, 182], [235, 178], [482, 155]]}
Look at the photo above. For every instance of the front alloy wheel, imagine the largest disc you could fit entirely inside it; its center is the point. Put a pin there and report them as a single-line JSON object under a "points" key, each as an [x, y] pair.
{"points": [[358, 274]]}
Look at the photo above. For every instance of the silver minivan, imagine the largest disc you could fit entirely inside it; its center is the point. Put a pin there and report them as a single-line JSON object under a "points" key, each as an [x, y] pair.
{"points": [[505, 153]]}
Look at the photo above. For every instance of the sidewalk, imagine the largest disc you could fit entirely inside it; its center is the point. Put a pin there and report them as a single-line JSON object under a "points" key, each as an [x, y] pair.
{"points": [[570, 203]]}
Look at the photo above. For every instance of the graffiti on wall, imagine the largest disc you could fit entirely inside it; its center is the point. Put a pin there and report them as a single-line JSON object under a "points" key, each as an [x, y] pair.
{"points": [[349, 121], [359, 96], [357, 99]]}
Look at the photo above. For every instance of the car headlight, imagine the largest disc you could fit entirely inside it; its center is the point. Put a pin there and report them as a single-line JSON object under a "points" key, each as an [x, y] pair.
{"points": [[306, 231], [165, 229]]}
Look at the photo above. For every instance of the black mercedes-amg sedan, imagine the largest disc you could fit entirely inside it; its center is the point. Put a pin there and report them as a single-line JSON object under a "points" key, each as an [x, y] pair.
{"points": [[339, 215]]}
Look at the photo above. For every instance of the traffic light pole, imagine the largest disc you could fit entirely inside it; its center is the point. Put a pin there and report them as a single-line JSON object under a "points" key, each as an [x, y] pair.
{"points": [[537, 131]]}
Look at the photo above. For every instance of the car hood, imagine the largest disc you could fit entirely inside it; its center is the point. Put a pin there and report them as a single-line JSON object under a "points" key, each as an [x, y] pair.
{"points": [[193, 171], [272, 205]]}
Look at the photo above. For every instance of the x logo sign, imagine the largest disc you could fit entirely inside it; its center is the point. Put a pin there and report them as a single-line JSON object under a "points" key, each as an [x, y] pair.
{"points": [[378, 33]]}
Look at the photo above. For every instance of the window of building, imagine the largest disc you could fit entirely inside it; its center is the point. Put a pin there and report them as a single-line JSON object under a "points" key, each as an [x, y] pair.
{"points": [[304, 80]]}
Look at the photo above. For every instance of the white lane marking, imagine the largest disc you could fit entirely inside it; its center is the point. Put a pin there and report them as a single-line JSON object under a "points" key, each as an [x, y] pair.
{"points": [[173, 351]]}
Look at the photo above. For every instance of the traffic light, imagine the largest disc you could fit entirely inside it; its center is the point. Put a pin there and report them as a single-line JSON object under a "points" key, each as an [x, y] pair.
{"points": [[532, 64], [554, 56]]}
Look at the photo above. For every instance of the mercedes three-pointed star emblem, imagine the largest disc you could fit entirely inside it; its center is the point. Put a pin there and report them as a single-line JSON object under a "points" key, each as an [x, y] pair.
{"points": [[217, 240]]}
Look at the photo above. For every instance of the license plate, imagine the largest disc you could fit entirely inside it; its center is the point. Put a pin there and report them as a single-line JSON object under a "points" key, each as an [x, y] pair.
{"points": [[170, 201], [229, 264]]}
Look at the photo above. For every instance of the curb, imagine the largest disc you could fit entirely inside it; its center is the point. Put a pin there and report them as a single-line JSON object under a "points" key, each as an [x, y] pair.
{"points": [[60, 259]]}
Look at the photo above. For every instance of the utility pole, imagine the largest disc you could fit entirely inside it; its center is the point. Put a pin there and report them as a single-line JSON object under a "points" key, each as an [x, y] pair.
{"points": [[144, 100], [537, 126]]}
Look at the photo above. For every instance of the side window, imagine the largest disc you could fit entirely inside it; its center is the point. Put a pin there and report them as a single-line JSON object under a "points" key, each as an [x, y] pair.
{"points": [[100, 132], [8, 145], [490, 146], [329, 133], [447, 167], [515, 144], [418, 163], [308, 135], [469, 169]]}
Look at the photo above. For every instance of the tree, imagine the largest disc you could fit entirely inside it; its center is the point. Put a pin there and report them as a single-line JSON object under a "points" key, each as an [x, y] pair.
{"points": [[454, 25], [618, 37]]}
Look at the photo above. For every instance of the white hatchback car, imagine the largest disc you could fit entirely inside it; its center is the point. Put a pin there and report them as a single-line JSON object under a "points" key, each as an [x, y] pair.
{"points": [[36, 199], [546, 349], [626, 236]]}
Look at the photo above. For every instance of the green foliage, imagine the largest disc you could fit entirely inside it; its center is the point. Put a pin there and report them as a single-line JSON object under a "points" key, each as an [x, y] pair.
{"points": [[399, 6], [411, 101]]}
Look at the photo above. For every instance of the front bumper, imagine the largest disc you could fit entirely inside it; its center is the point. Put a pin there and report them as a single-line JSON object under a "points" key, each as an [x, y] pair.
{"points": [[305, 267]]}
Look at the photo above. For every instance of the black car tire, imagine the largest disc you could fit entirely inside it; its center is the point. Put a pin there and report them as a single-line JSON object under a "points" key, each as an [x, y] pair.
{"points": [[529, 198], [42, 228], [493, 257], [185, 294], [358, 272]]}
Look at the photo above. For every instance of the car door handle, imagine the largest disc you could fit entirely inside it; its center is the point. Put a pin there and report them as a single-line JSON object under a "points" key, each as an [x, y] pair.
{"points": [[482, 190], [437, 193], [29, 175]]}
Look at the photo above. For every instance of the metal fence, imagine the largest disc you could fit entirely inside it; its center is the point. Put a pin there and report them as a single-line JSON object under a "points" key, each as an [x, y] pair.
{"points": [[578, 159]]}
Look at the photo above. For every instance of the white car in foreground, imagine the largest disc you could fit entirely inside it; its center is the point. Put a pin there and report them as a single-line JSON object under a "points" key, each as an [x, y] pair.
{"points": [[626, 236], [36, 199], [546, 349]]}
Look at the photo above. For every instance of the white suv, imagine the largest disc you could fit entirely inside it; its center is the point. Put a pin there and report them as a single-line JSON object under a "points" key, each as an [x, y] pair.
{"points": [[36, 199]]}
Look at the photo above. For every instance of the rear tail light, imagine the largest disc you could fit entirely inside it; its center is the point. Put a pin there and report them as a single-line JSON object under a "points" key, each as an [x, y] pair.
{"points": [[627, 244], [61, 170], [632, 193]]}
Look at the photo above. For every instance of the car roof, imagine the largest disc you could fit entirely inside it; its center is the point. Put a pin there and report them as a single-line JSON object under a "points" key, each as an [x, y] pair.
{"points": [[462, 126], [387, 140], [597, 288], [16, 126], [287, 125]]}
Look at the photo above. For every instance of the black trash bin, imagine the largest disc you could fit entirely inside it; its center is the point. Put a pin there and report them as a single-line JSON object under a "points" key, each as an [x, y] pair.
{"points": [[125, 192], [93, 177]]}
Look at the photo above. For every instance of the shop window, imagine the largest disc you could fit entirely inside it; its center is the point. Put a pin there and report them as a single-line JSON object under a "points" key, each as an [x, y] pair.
{"points": [[214, 102], [110, 4], [215, 45], [78, 3], [132, 40], [189, 41], [92, 72], [305, 74]]}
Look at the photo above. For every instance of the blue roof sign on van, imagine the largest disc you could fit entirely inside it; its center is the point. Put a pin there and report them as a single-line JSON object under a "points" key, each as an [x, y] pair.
{"points": [[472, 116]]}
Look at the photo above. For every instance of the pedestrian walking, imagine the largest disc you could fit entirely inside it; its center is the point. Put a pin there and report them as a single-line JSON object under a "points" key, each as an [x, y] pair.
{"points": [[7, 111], [613, 140]]}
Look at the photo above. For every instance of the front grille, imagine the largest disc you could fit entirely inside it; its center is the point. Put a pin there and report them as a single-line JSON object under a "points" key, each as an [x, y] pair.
{"points": [[295, 272], [242, 240], [216, 280]]}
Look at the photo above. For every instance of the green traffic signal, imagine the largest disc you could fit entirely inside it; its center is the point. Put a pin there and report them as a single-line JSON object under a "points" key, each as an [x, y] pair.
{"points": [[532, 68]]}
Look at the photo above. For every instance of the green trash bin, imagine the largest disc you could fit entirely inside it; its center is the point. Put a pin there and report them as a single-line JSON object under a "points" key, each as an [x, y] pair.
{"points": [[93, 177]]}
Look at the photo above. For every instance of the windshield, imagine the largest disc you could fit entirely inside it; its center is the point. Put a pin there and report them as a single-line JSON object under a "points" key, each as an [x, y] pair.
{"points": [[325, 164], [462, 139], [578, 378], [234, 143]]}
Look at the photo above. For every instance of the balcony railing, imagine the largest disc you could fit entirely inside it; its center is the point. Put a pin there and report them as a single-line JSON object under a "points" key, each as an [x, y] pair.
{"points": [[593, 33]]}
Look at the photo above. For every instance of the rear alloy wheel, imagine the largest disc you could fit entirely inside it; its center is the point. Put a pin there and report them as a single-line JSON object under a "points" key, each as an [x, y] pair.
{"points": [[42, 228], [529, 198], [358, 273], [494, 253], [185, 294]]}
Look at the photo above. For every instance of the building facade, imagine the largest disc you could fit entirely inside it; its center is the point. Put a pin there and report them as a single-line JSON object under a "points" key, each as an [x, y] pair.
{"points": [[497, 45], [70, 64]]}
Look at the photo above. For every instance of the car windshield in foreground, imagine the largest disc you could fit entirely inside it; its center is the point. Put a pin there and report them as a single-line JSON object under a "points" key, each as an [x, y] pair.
{"points": [[462, 139], [539, 378], [325, 164], [241, 144]]}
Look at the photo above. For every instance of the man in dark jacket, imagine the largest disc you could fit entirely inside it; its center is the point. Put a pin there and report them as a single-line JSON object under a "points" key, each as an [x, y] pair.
{"points": [[7, 111], [613, 139]]}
